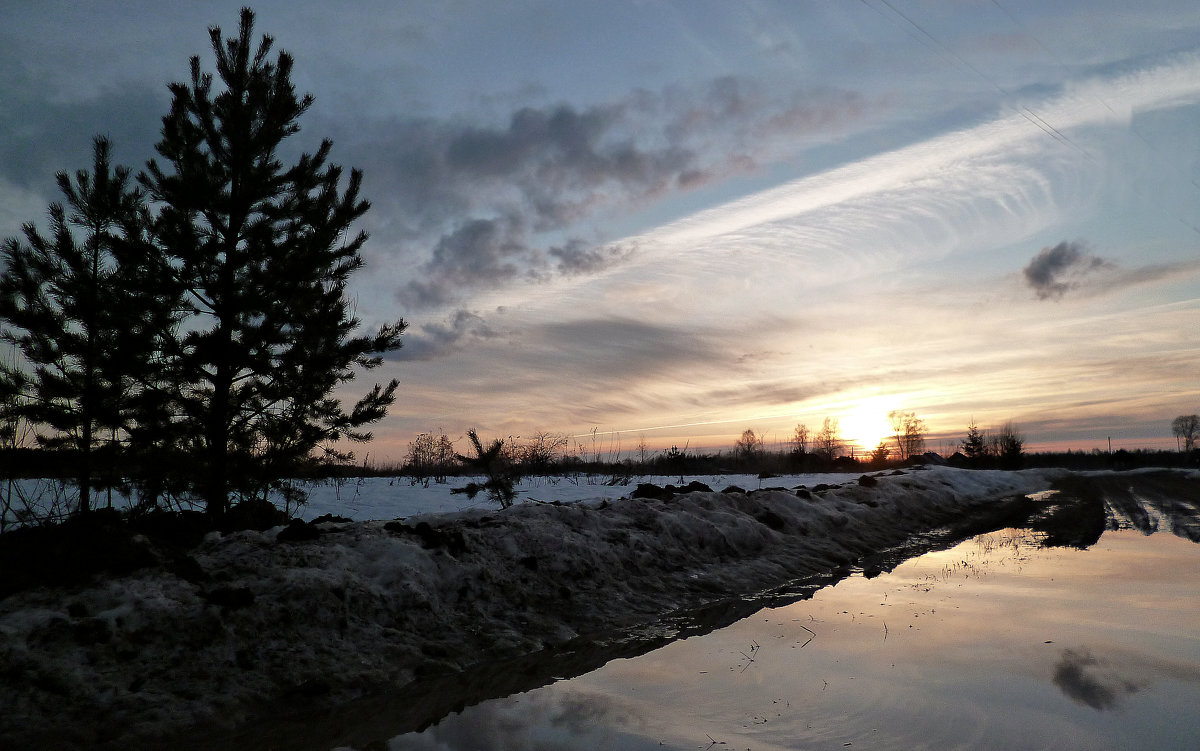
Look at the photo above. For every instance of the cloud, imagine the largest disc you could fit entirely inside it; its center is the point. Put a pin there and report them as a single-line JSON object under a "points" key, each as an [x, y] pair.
{"points": [[613, 347], [39, 139], [577, 257], [1055, 271], [467, 203], [475, 250], [532, 197], [1149, 274], [1060, 269], [431, 340], [489, 201]]}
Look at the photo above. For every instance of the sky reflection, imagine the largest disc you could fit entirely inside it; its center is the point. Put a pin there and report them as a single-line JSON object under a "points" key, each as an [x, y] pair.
{"points": [[995, 643]]}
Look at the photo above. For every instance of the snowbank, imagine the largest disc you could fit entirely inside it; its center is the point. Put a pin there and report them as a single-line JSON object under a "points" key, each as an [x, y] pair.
{"points": [[372, 498], [260, 624]]}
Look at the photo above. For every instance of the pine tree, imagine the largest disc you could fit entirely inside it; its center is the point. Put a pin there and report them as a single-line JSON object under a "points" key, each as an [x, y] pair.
{"points": [[146, 293], [974, 446], [64, 314], [491, 461], [263, 257]]}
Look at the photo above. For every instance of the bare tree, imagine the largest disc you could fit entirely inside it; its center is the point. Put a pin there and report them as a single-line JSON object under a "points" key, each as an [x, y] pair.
{"points": [[1009, 445], [909, 433], [643, 452], [749, 448], [419, 457], [800, 440], [15, 433], [539, 454], [444, 457], [429, 457], [1186, 429], [829, 440]]}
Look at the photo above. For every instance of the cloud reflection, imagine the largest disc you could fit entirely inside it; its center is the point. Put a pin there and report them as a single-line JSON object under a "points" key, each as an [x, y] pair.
{"points": [[1091, 682], [536, 721]]}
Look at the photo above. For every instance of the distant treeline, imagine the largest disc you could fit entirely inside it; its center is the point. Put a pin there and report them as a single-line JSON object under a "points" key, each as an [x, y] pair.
{"points": [[29, 463], [1117, 460], [677, 462]]}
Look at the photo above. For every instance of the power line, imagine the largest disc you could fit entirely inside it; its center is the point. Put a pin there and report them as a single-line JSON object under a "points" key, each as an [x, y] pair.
{"points": [[930, 41], [946, 53], [1103, 102]]}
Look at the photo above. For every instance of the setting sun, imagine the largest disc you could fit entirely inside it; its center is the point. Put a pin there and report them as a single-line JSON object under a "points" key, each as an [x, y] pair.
{"points": [[866, 424]]}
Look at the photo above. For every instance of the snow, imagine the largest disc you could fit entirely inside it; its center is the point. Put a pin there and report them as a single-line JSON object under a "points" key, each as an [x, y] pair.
{"points": [[263, 625], [368, 498]]}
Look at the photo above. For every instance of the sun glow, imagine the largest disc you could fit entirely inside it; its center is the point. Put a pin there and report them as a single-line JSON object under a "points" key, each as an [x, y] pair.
{"points": [[867, 423]]}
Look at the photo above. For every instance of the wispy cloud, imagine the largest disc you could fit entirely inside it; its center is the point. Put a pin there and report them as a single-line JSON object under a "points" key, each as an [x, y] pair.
{"points": [[1020, 170]]}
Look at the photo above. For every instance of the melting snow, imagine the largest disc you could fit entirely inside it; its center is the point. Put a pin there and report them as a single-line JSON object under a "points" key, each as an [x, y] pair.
{"points": [[263, 624]]}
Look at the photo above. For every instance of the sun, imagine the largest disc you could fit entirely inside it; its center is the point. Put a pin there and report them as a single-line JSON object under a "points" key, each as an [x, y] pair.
{"points": [[866, 424]]}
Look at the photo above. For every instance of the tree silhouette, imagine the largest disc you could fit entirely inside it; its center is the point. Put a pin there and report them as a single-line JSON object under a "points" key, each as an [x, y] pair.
{"points": [[1010, 446], [748, 448], [492, 462], [197, 327], [1185, 428], [909, 432], [76, 306], [880, 454], [262, 255], [800, 440], [974, 446], [828, 442]]}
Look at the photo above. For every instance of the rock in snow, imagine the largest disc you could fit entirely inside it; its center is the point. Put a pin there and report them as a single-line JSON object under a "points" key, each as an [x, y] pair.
{"points": [[285, 621]]}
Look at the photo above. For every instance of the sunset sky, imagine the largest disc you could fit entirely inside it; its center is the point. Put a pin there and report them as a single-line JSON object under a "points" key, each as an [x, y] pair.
{"points": [[679, 220]]}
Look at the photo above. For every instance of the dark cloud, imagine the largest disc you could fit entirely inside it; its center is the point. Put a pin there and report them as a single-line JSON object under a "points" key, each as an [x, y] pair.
{"points": [[600, 349], [1055, 271], [476, 205], [774, 392], [475, 250], [1085, 680], [561, 155], [578, 257], [430, 340], [1058, 270]]}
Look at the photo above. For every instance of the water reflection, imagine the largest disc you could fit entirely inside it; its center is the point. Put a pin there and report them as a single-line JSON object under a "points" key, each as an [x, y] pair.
{"points": [[540, 720], [995, 643], [1090, 681], [1084, 506], [1076, 631]]}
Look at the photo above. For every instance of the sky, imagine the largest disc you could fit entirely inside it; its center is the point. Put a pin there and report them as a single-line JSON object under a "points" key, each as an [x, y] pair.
{"points": [[670, 222]]}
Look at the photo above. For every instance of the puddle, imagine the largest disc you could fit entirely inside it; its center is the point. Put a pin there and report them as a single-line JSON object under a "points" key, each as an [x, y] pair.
{"points": [[998, 642]]}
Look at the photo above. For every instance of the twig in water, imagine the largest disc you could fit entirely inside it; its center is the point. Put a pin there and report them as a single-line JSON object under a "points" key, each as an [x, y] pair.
{"points": [[754, 646], [812, 635]]}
